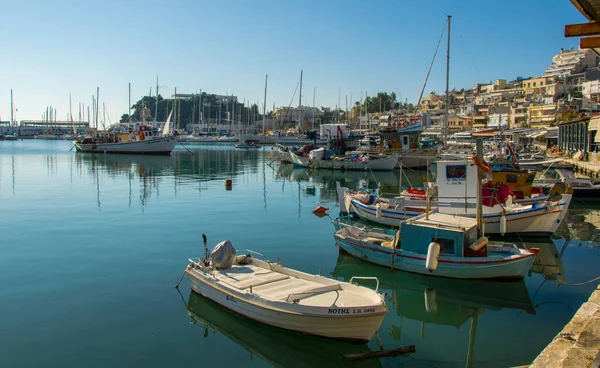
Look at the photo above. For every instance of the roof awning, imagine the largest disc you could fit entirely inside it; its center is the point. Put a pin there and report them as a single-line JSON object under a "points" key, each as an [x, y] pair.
{"points": [[537, 135], [594, 124]]}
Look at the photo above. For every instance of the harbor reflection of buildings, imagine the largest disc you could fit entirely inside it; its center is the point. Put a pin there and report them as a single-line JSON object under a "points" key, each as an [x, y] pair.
{"points": [[154, 173]]}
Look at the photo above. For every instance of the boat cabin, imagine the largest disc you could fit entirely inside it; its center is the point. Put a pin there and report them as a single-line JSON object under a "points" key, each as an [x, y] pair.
{"points": [[520, 182], [454, 234], [456, 179]]}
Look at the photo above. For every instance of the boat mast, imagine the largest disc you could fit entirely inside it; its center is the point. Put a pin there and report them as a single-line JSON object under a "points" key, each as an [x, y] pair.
{"points": [[11, 109], [300, 103], [156, 103], [71, 115], [265, 106], [479, 209], [314, 108], [128, 106], [97, 97], [447, 84]]}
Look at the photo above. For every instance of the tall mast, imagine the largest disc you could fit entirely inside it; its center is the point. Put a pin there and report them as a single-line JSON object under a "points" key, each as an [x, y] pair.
{"points": [[11, 109], [97, 97], [314, 107], [128, 106], [300, 101], [176, 109], [265, 106], [338, 107], [156, 104], [447, 83]]}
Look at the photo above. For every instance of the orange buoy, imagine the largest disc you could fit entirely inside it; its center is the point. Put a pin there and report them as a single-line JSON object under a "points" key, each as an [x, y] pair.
{"points": [[320, 209]]}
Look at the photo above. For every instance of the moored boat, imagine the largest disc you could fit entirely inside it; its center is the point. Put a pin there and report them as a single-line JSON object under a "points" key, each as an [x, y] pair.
{"points": [[247, 145], [436, 244], [356, 162], [146, 140], [455, 194], [279, 296]]}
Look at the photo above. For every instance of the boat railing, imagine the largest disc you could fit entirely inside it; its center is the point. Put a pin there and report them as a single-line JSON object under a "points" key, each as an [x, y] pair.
{"points": [[366, 278]]}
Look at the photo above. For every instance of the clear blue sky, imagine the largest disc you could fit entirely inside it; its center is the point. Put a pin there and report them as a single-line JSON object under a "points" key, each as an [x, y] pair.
{"points": [[53, 48]]}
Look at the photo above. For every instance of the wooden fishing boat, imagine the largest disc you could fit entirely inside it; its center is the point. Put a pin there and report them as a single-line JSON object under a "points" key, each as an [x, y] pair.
{"points": [[279, 296], [455, 194], [436, 244]]}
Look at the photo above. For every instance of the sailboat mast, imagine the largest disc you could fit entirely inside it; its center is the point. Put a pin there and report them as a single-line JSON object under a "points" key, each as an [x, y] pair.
{"points": [[128, 106], [300, 101], [479, 209], [265, 106], [314, 107], [97, 99], [156, 103], [447, 84], [11, 109]]}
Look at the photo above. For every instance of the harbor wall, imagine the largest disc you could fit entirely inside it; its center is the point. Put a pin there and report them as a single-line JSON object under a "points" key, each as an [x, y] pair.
{"points": [[578, 344]]}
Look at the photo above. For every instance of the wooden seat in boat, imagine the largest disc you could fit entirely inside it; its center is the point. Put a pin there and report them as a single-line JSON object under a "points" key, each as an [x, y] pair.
{"points": [[245, 276]]}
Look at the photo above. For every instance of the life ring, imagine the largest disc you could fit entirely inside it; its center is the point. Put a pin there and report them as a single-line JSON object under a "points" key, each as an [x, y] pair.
{"points": [[482, 165]]}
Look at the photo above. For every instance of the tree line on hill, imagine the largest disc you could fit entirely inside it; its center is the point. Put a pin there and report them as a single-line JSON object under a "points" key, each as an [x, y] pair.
{"points": [[190, 110]]}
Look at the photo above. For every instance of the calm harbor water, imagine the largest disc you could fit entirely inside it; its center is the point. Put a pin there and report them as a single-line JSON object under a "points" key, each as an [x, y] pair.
{"points": [[92, 246]]}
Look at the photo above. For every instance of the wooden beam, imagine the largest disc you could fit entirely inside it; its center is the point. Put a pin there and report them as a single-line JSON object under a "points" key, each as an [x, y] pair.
{"points": [[589, 42], [583, 29]]}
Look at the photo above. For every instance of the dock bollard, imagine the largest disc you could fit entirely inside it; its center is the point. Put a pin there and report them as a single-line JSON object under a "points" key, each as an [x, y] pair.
{"points": [[228, 184]]}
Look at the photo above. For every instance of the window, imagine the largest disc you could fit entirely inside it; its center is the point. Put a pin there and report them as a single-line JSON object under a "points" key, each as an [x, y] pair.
{"points": [[456, 172], [404, 140], [530, 178], [511, 178], [446, 245]]}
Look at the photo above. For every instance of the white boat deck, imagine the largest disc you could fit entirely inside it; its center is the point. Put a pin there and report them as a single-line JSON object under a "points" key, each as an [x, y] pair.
{"points": [[279, 286]]}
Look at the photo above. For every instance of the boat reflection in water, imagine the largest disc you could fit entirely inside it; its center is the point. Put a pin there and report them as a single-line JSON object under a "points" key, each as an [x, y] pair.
{"points": [[548, 261], [278, 347], [439, 302]]}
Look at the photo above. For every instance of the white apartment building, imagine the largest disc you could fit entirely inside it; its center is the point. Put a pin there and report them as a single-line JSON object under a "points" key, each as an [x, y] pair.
{"points": [[590, 88], [571, 61], [498, 120]]}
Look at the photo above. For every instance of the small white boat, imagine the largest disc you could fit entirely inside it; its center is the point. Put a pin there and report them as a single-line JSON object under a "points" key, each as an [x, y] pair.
{"points": [[362, 162], [276, 295], [247, 145], [146, 140], [227, 138]]}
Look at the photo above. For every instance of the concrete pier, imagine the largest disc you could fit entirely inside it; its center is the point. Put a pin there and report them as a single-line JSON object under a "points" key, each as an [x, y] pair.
{"points": [[578, 344], [591, 169]]}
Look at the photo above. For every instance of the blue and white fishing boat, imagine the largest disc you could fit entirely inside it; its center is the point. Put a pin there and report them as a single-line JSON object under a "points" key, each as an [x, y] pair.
{"points": [[455, 193], [436, 244]]}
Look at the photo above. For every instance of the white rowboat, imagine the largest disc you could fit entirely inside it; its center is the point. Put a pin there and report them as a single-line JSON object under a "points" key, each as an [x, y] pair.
{"points": [[278, 296]]}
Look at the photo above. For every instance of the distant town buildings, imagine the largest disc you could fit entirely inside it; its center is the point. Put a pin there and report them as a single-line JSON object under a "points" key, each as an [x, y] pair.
{"points": [[570, 84]]}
